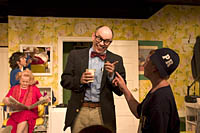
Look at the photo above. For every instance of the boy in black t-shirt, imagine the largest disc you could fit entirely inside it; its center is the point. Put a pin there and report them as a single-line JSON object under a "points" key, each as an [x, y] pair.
{"points": [[158, 111]]}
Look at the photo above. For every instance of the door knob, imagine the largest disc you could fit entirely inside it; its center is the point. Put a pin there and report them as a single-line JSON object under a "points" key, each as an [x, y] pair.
{"points": [[135, 89]]}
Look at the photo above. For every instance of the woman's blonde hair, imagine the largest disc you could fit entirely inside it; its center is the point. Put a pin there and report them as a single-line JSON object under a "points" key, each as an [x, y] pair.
{"points": [[26, 73]]}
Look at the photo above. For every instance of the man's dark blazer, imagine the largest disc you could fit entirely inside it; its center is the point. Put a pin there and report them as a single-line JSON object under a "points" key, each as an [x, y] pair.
{"points": [[77, 64], [195, 60]]}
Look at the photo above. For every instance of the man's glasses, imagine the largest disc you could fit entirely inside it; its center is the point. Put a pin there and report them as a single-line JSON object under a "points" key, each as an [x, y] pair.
{"points": [[100, 39]]}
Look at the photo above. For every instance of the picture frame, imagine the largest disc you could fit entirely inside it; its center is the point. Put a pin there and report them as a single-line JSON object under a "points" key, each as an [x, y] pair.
{"points": [[144, 48], [39, 58]]}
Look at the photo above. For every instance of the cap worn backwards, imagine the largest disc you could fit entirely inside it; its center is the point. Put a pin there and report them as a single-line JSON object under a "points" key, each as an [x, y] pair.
{"points": [[166, 61]]}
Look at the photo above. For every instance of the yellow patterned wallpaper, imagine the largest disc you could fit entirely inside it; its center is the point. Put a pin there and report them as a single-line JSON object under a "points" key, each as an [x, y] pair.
{"points": [[171, 25], [3, 34]]}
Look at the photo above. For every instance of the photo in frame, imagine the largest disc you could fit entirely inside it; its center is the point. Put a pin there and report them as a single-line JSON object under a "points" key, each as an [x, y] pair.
{"points": [[144, 48], [39, 58]]}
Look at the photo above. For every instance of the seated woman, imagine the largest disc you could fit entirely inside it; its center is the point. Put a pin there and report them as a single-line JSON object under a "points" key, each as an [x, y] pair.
{"points": [[27, 93]]}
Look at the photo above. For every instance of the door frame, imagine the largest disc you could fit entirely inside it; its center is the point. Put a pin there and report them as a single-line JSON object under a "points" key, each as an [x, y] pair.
{"points": [[61, 40]]}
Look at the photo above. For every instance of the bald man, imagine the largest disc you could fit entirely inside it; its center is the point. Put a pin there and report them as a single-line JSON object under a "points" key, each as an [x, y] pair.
{"points": [[91, 101]]}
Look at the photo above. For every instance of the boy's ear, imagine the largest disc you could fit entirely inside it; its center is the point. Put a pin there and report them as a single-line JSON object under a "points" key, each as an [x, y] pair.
{"points": [[155, 69]]}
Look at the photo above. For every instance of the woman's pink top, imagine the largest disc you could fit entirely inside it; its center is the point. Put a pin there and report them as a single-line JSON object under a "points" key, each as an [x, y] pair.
{"points": [[33, 113]]}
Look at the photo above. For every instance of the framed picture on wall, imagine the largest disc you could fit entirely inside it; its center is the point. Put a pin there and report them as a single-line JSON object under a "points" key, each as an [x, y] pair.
{"points": [[144, 48], [39, 58]]}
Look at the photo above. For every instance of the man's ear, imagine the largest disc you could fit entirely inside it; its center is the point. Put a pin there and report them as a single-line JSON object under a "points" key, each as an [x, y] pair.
{"points": [[93, 36]]}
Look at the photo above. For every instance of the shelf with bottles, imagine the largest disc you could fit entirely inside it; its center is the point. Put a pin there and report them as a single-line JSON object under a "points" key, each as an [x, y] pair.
{"points": [[46, 91]]}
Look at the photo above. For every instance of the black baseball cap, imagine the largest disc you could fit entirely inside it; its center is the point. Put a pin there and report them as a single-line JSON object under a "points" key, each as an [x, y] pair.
{"points": [[166, 61]]}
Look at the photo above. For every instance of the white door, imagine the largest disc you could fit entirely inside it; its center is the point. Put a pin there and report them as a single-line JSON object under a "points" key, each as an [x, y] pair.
{"points": [[4, 75], [4, 72], [126, 121]]}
